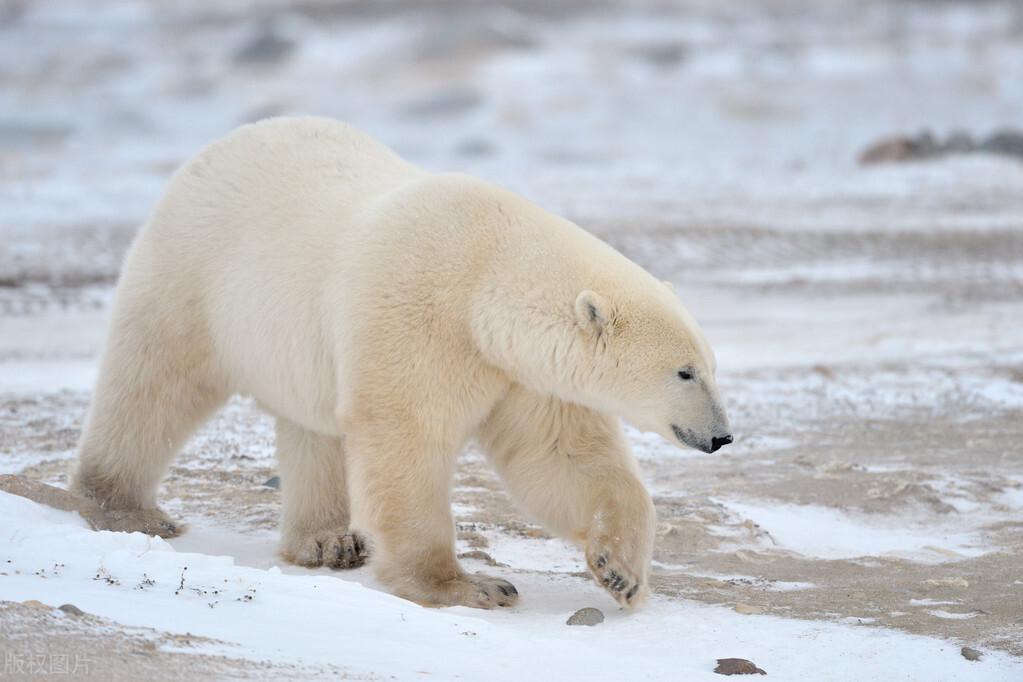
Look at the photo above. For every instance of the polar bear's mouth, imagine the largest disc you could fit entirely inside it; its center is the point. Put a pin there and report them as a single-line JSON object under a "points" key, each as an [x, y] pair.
{"points": [[687, 437]]}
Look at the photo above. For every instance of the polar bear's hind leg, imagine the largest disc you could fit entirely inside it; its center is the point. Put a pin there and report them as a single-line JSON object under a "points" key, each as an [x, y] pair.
{"points": [[155, 387]]}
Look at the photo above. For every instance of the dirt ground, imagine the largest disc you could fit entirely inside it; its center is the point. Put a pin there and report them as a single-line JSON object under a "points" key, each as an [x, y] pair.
{"points": [[885, 441], [94, 648]]}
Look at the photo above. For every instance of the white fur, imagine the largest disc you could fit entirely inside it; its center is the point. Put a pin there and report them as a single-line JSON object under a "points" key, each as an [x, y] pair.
{"points": [[386, 315]]}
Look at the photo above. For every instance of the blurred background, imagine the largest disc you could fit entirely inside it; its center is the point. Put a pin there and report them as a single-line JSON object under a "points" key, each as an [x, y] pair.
{"points": [[737, 118], [835, 187]]}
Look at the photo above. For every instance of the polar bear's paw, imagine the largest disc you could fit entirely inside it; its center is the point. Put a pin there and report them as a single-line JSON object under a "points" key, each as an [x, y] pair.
{"points": [[335, 548], [148, 521], [477, 591], [625, 584]]}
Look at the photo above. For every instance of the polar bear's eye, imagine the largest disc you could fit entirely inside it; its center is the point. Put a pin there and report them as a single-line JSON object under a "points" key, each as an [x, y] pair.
{"points": [[685, 375]]}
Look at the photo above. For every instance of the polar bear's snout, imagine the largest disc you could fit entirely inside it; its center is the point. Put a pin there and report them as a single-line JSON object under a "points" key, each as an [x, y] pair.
{"points": [[689, 437], [716, 443]]}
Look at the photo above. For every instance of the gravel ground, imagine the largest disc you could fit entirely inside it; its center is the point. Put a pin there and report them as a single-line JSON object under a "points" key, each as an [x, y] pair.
{"points": [[866, 320]]}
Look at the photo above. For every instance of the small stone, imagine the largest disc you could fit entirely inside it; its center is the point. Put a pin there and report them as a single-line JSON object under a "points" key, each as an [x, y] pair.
{"points": [[274, 483], [747, 609], [737, 666], [971, 654], [586, 616], [71, 610]]}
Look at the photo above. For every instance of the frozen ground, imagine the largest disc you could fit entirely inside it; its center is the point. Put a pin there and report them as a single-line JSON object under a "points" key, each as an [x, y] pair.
{"points": [[869, 519]]}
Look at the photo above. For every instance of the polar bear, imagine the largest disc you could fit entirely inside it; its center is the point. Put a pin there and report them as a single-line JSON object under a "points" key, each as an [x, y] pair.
{"points": [[385, 316]]}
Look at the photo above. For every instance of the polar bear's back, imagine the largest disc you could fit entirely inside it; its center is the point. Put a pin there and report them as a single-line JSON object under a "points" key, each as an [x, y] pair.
{"points": [[283, 165]]}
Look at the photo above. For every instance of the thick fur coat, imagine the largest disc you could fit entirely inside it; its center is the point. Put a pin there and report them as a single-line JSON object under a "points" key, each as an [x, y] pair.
{"points": [[385, 316]]}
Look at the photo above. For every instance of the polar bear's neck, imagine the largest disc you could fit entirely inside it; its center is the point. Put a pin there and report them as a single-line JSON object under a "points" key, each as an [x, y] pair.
{"points": [[523, 319]]}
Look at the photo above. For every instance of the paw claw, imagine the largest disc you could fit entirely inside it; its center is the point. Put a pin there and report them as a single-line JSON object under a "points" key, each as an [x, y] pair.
{"points": [[619, 578], [338, 549], [478, 591], [148, 521]]}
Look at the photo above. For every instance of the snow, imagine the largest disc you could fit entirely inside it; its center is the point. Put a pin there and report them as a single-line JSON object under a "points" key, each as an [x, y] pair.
{"points": [[265, 614], [949, 615], [832, 534], [715, 144]]}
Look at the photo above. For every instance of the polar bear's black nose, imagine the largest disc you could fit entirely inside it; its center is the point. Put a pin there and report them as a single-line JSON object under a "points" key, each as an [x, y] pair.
{"points": [[717, 443]]}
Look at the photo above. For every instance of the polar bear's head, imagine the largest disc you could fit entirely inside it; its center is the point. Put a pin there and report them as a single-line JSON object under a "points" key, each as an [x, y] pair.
{"points": [[649, 362]]}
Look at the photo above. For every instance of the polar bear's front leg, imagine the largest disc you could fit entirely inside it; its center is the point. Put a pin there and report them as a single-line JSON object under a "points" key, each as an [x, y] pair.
{"points": [[314, 522], [571, 469], [401, 494], [619, 541]]}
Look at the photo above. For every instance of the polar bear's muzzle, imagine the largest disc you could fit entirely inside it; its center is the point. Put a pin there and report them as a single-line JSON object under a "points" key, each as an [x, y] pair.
{"points": [[689, 437]]}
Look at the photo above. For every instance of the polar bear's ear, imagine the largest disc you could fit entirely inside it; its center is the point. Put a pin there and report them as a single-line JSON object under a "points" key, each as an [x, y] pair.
{"points": [[592, 311]]}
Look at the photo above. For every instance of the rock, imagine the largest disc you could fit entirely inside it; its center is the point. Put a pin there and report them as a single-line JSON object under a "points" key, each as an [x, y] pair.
{"points": [[887, 151], [273, 482], [971, 654], [737, 666], [1006, 142], [586, 616], [925, 146], [266, 47], [747, 609], [959, 142], [35, 604], [71, 610]]}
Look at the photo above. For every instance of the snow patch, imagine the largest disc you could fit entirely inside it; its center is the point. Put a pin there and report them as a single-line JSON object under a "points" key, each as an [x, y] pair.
{"points": [[271, 615], [827, 533]]}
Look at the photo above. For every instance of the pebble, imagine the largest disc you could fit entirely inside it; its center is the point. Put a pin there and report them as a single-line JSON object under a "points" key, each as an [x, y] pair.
{"points": [[71, 610], [971, 654], [274, 483], [586, 616], [925, 145], [737, 666]]}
